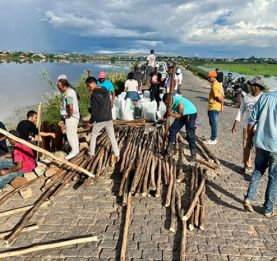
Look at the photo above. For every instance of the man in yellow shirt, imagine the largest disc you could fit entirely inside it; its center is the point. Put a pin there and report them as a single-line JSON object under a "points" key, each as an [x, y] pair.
{"points": [[215, 106]]}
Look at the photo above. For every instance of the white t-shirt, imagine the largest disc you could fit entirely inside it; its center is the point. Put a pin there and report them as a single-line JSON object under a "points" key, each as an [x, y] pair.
{"points": [[131, 85], [246, 107], [180, 78], [168, 81], [151, 58], [70, 97]]}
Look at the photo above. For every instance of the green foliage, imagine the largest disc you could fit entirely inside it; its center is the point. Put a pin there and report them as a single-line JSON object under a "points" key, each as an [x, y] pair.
{"points": [[51, 109], [196, 70], [118, 79], [246, 68]]}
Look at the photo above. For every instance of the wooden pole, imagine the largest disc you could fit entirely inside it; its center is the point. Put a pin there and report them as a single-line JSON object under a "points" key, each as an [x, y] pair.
{"points": [[195, 199], [36, 148], [38, 125], [126, 228], [168, 107], [183, 241], [26, 229], [35, 248]]}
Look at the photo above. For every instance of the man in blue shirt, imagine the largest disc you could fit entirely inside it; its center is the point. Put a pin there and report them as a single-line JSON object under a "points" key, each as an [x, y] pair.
{"points": [[264, 117], [104, 82], [185, 113]]}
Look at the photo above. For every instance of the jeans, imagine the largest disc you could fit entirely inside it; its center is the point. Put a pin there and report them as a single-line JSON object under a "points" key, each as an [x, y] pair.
{"points": [[213, 118], [71, 126], [263, 160], [6, 179], [97, 127], [189, 122]]}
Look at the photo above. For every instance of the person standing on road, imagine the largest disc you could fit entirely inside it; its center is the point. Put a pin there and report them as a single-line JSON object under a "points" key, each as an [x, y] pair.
{"points": [[215, 102], [180, 79], [70, 113], [150, 63], [264, 117], [185, 113], [105, 83], [246, 108], [101, 116]]}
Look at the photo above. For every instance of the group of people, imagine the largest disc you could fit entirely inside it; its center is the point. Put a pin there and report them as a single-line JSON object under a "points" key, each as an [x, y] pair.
{"points": [[22, 159]]}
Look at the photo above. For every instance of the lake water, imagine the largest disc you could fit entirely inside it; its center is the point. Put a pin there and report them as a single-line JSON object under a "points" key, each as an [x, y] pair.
{"points": [[21, 85], [271, 82]]}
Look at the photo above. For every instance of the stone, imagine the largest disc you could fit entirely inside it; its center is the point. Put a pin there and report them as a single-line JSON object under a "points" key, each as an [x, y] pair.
{"points": [[30, 176], [25, 193], [18, 182]]}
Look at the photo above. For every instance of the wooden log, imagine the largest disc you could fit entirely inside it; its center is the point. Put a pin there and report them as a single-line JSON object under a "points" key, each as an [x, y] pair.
{"points": [[202, 210], [208, 164], [183, 241], [38, 125], [197, 207], [179, 203], [164, 171], [45, 152], [19, 210], [146, 176], [211, 155], [26, 229], [126, 228], [13, 192], [195, 199], [126, 193], [170, 186], [192, 186], [202, 152], [45, 246], [159, 180], [173, 201], [152, 186], [28, 215]]}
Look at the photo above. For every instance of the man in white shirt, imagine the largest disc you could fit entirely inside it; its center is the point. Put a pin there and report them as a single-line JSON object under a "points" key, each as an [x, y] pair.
{"points": [[246, 107], [70, 112], [150, 62], [180, 79]]}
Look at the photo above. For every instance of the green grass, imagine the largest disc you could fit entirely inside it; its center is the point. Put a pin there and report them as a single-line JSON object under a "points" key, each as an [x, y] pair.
{"points": [[265, 70]]}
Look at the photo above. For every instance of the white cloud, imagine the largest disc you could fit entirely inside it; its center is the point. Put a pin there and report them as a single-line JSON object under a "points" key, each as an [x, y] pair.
{"points": [[249, 23]]}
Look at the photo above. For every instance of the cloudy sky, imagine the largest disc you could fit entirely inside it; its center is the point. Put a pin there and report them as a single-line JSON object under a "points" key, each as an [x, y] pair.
{"points": [[210, 28]]}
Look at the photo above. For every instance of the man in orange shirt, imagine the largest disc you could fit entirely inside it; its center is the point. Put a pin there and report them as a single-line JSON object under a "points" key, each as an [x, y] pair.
{"points": [[215, 106]]}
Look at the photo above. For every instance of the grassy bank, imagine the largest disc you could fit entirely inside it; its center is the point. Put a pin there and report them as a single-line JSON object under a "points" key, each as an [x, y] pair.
{"points": [[196, 70], [51, 109], [265, 70]]}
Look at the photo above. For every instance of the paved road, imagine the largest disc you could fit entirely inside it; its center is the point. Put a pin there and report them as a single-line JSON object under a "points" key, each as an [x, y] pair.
{"points": [[231, 234]]}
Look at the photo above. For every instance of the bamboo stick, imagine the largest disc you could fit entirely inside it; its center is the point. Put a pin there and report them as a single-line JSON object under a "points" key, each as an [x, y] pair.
{"points": [[126, 228], [159, 180], [173, 201], [26, 229], [183, 241], [192, 186], [202, 209], [210, 165], [35, 248], [36, 148], [211, 155], [195, 199], [20, 210], [170, 186], [152, 185]]}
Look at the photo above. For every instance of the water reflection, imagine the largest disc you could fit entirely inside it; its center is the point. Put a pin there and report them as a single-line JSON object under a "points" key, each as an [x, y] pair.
{"points": [[21, 84]]}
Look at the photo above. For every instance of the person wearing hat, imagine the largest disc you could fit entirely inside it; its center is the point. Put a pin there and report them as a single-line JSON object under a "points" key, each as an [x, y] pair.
{"points": [[105, 83], [246, 108], [263, 118], [215, 102], [70, 113]]}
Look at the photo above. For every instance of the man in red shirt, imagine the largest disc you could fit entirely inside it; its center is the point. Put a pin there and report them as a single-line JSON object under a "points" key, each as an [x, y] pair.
{"points": [[13, 165]]}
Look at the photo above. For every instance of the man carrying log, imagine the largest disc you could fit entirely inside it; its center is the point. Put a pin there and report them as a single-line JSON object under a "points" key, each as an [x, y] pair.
{"points": [[101, 115], [185, 113], [27, 128], [14, 165]]}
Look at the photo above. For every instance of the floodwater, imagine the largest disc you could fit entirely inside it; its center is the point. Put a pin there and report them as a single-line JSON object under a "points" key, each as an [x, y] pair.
{"points": [[22, 85], [271, 82]]}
